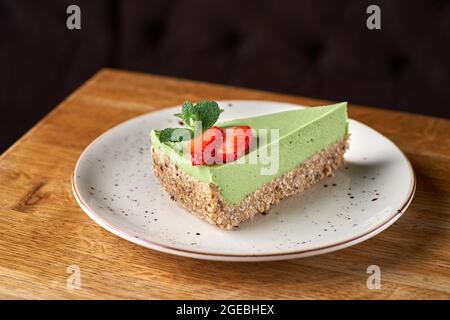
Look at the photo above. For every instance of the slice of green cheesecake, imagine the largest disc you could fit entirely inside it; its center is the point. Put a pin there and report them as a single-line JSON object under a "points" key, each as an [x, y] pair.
{"points": [[293, 150]]}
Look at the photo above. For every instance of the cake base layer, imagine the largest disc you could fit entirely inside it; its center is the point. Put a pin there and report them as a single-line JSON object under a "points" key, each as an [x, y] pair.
{"points": [[204, 200]]}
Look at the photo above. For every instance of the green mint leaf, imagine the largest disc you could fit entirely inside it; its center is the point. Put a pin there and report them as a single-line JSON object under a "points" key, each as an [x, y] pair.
{"points": [[207, 112], [174, 134], [187, 111]]}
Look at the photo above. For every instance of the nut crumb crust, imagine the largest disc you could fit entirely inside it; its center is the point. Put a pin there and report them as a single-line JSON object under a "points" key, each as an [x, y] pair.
{"points": [[204, 199]]}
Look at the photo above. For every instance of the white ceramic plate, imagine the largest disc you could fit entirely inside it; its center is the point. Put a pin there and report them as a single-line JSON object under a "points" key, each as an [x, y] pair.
{"points": [[114, 184]]}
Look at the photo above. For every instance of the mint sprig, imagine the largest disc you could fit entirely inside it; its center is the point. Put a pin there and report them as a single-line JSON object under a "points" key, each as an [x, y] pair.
{"points": [[205, 112], [168, 134]]}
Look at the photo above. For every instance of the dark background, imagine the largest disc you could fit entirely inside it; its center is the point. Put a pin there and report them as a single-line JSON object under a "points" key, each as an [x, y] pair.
{"points": [[311, 48]]}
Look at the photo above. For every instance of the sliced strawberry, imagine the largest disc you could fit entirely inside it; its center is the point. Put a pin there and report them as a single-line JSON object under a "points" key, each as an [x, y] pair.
{"points": [[217, 145], [237, 143], [203, 147]]}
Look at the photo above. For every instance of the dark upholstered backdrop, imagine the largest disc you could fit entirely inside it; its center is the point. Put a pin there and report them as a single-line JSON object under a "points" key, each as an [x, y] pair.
{"points": [[312, 48]]}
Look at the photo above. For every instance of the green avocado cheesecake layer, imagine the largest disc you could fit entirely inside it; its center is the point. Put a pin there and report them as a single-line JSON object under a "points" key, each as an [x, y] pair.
{"points": [[302, 133]]}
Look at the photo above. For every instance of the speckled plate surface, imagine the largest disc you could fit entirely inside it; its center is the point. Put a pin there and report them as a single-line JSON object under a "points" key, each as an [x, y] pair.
{"points": [[114, 184]]}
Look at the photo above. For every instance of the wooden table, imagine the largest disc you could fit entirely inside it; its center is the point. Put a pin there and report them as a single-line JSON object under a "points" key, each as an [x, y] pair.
{"points": [[43, 230]]}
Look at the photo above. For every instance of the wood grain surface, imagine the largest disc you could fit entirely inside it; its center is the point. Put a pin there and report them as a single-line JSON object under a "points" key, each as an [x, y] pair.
{"points": [[43, 231]]}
